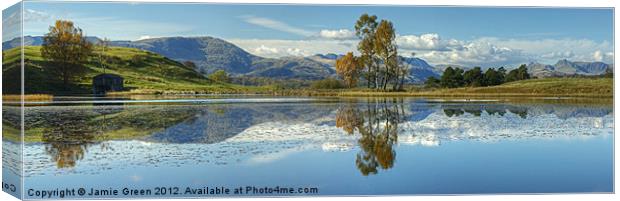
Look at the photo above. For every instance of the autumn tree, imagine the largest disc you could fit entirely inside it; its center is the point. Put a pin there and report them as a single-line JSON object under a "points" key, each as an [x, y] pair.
{"points": [[349, 68], [365, 28], [385, 48], [66, 49]]}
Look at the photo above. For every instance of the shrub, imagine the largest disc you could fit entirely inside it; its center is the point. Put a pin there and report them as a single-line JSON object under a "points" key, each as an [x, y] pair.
{"points": [[219, 76], [327, 83]]}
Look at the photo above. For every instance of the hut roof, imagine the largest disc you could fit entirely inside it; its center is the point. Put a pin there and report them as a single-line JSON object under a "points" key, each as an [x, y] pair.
{"points": [[107, 75]]}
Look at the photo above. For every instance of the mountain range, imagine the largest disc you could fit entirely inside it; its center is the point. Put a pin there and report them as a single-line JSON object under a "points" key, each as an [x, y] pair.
{"points": [[564, 67], [211, 54]]}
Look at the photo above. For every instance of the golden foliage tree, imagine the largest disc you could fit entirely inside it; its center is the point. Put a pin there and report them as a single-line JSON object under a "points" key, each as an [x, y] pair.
{"points": [[66, 49], [349, 68], [365, 28], [385, 47]]}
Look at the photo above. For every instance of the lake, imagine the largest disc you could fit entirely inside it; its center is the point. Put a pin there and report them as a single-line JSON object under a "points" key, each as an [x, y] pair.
{"points": [[315, 146]]}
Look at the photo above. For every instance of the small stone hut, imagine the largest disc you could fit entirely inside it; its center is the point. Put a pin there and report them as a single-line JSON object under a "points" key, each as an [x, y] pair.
{"points": [[103, 83]]}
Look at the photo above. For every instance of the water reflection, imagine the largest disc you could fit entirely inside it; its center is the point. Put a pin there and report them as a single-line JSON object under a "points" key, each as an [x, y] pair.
{"points": [[380, 122], [377, 124], [71, 133], [66, 144], [455, 110], [104, 137]]}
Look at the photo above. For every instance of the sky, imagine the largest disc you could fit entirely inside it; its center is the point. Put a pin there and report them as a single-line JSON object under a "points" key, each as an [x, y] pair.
{"points": [[468, 36]]}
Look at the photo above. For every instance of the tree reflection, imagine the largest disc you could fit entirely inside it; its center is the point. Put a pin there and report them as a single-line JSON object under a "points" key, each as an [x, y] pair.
{"points": [[67, 143], [377, 123], [71, 132]]}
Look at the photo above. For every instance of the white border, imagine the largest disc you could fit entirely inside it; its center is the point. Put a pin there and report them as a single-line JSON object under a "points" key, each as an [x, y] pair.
{"points": [[516, 3]]}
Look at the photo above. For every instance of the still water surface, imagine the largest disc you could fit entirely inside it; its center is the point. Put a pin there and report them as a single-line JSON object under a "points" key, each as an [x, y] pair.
{"points": [[338, 146]]}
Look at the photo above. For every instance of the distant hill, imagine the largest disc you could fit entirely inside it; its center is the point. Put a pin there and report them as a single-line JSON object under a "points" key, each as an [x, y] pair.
{"points": [[441, 67], [211, 54], [564, 67], [419, 70], [329, 59], [141, 70]]}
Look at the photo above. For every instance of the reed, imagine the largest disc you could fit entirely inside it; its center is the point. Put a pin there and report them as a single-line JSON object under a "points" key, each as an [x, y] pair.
{"points": [[27, 97]]}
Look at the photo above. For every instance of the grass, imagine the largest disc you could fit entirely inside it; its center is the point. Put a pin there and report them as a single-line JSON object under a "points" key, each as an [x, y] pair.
{"points": [[149, 73], [574, 87], [144, 73], [547, 87], [28, 97]]}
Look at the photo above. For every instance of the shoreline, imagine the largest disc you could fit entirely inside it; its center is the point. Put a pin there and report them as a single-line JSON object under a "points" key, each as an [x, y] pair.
{"points": [[544, 87], [316, 93]]}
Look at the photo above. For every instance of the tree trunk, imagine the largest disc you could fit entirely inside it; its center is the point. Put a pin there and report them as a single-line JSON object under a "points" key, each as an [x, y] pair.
{"points": [[402, 81], [65, 81]]}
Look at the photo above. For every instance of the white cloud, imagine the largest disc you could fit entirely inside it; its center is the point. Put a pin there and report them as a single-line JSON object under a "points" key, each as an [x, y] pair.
{"points": [[144, 37], [430, 41], [603, 56], [560, 54], [266, 51], [476, 54], [276, 25], [340, 34], [437, 50], [33, 15], [281, 48], [551, 50], [484, 52], [490, 51], [297, 52]]}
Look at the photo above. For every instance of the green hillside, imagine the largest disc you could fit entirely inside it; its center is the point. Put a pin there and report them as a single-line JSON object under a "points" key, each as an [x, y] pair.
{"points": [[545, 87], [596, 87], [143, 71]]}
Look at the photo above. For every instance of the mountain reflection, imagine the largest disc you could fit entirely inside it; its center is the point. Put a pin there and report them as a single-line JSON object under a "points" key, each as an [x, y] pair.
{"points": [[477, 110]]}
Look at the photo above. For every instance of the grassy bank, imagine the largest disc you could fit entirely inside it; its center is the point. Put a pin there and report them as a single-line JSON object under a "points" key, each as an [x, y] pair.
{"points": [[547, 87], [143, 72], [149, 73]]}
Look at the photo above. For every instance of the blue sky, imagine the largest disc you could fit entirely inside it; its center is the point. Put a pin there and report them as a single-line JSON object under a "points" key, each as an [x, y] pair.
{"points": [[441, 35]]}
